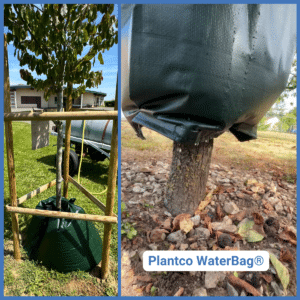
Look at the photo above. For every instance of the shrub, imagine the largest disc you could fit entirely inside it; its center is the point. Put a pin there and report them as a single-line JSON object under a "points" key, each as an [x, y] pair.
{"points": [[110, 103]]}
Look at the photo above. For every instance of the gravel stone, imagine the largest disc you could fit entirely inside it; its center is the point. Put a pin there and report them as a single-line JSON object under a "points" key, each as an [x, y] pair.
{"points": [[203, 233], [177, 236], [200, 292], [213, 278], [231, 290], [231, 208]]}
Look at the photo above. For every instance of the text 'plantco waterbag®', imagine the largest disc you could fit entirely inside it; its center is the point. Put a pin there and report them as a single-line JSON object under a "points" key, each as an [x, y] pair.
{"points": [[62, 244], [190, 71]]}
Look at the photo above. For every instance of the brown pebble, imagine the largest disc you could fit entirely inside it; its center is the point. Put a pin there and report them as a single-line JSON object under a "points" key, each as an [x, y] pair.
{"points": [[194, 246]]}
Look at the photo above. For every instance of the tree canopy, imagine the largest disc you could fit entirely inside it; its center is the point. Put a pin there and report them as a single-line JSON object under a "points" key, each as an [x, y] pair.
{"points": [[50, 39]]}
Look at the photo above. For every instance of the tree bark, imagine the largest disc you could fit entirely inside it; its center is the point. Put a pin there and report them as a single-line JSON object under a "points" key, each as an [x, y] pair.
{"points": [[67, 142], [60, 141], [188, 177]]}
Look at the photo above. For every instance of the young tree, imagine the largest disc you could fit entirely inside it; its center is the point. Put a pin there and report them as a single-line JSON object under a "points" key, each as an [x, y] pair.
{"points": [[186, 186], [50, 39]]}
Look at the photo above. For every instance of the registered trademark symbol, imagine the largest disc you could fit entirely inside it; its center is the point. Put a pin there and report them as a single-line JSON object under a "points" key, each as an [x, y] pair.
{"points": [[259, 260]]}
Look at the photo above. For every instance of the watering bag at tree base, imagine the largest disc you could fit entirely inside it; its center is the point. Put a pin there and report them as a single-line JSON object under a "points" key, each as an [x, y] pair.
{"points": [[62, 244], [192, 72]]}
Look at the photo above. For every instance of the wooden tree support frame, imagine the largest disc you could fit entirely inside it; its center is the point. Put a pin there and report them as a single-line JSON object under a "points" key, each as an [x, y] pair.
{"points": [[36, 192], [52, 183], [109, 218], [89, 195], [68, 115], [61, 214]]}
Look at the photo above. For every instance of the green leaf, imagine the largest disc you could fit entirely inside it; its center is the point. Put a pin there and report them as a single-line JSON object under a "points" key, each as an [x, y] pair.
{"points": [[236, 274], [100, 58], [253, 236], [245, 227], [281, 270], [153, 290], [123, 206], [132, 233], [246, 231]]}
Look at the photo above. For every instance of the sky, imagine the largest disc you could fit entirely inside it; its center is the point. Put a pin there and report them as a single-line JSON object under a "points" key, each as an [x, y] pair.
{"points": [[110, 68]]}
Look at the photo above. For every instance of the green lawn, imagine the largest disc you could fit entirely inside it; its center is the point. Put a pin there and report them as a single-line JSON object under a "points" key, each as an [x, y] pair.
{"points": [[270, 151], [34, 168]]}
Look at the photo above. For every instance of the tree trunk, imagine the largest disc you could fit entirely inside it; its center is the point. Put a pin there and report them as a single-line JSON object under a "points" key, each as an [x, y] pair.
{"points": [[67, 142], [188, 177], [60, 140]]}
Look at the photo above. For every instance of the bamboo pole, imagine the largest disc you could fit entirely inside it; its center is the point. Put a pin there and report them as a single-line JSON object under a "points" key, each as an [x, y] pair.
{"points": [[89, 195], [61, 214], [111, 189], [69, 115], [36, 192], [10, 156], [67, 143]]}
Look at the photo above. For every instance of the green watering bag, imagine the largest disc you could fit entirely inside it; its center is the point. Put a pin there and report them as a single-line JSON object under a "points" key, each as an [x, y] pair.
{"points": [[62, 244], [193, 71]]}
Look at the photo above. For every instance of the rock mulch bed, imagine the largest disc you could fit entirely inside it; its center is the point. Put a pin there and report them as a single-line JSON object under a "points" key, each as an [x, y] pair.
{"points": [[235, 199]]}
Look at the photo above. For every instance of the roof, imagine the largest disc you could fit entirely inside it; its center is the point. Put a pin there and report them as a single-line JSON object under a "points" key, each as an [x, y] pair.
{"points": [[95, 92], [22, 86]]}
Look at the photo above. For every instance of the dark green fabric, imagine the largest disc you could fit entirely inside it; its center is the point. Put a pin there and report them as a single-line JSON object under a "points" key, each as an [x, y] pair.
{"points": [[192, 72], [62, 244]]}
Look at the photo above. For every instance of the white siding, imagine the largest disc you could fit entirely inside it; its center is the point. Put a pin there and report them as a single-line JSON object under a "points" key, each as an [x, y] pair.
{"points": [[52, 101], [88, 99]]}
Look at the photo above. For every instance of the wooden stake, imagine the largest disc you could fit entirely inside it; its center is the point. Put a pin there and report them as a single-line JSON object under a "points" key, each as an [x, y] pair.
{"points": [[89, 195], [36, 192], [69, 115], [61, 214], [10, 156], [111, 189], [67, 143]]}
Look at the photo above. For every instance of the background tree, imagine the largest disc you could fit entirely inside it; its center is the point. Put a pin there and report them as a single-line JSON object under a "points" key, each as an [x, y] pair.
{"points": [[263, 126], [49, 39], [286, 119]]}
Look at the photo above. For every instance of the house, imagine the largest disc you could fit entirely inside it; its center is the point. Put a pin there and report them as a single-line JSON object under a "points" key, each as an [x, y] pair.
{"points": [[24, 96]]}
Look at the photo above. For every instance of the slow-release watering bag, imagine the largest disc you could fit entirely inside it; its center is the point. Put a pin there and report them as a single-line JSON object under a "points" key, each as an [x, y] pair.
{"points": [[191, 72]]}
